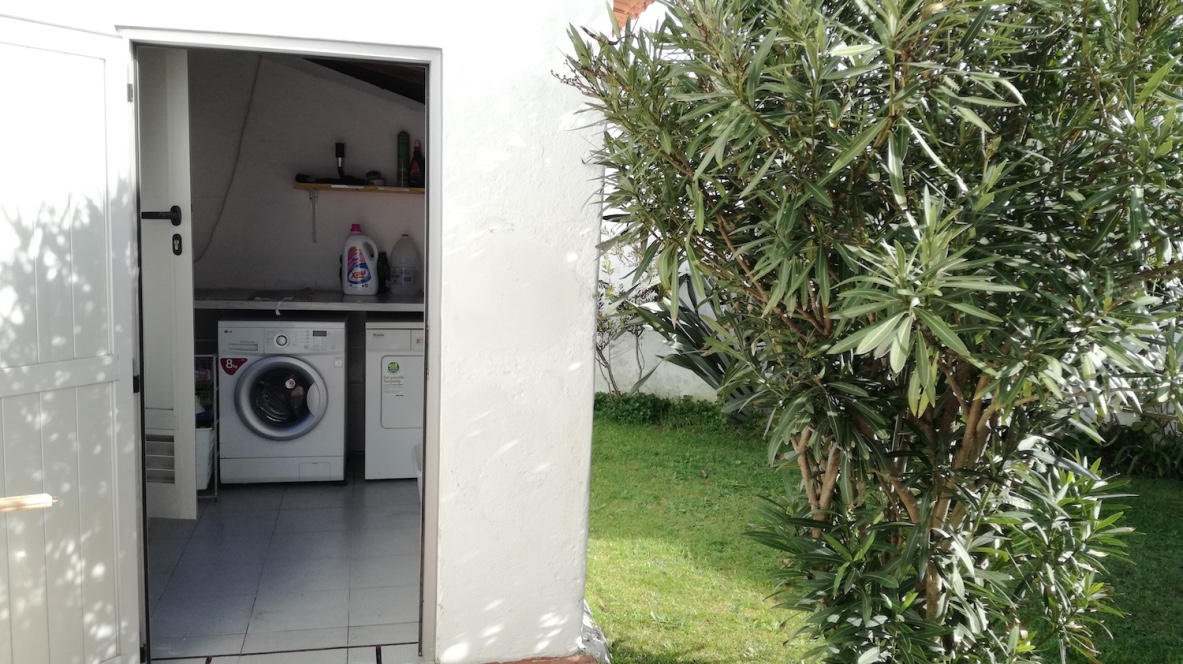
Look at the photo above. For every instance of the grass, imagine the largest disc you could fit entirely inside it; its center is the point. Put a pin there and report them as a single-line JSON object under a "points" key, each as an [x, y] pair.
{"points": [[671, 578], [1149, 588]]}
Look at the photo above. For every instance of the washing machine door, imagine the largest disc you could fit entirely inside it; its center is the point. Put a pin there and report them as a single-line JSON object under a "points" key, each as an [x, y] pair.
{"points": [[280, 397]]}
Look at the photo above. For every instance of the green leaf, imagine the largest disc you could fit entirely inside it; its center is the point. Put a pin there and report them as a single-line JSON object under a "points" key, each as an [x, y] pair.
{"points": [[879, 332], [870, 656], [1156, 80], [967, 283], [820, 195], [942, 332], [858, 146], [974, 118], [974, 311], [855, 49]]}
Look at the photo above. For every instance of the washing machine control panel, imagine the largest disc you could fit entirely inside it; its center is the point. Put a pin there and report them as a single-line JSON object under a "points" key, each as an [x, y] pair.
{"points": [[282, 340], [314, 341]]}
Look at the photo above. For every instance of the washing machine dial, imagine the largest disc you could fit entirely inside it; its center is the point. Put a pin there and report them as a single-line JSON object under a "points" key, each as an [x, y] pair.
{"points": [[281, 340]]}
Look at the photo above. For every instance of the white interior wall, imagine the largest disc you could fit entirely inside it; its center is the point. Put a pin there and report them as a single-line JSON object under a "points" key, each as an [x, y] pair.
{"points": [[516, 303], [264, 238]]}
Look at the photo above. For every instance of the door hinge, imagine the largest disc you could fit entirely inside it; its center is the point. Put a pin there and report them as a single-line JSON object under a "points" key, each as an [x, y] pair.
{"points": [[131, 95], [135, 384], [143, 653]]}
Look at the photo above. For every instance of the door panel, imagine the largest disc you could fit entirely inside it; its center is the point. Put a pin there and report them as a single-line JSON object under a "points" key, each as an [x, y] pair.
{"points": [[69, 577], [167, 281]]}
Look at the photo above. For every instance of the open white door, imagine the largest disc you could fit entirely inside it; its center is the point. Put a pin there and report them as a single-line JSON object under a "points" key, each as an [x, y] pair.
{"points": [[166, 261], [69, 577]]}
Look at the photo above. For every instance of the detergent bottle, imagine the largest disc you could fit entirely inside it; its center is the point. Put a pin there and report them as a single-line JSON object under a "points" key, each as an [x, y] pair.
{"points": [[359, 264], [406, 269]]}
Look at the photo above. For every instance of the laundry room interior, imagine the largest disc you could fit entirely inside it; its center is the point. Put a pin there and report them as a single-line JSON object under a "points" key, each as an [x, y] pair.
{"points": [[309, 369]]}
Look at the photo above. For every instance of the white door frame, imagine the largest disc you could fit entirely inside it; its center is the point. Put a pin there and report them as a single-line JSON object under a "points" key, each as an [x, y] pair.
{"points": [[433, 59]]}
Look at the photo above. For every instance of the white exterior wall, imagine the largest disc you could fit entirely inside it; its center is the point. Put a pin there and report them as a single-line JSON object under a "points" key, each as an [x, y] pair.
{"points": [[668, 380], [517, 305]]}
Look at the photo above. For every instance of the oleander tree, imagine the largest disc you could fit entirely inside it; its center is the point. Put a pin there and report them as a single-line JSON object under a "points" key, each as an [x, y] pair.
{"points": [[940, 236]]}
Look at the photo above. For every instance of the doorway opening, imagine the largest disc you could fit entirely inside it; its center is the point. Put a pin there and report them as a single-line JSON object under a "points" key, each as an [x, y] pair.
{"points": [[309, 529]]}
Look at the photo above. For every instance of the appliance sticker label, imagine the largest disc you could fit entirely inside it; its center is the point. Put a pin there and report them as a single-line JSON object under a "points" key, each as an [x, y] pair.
{"points": [[393, 383], [231, 365]]}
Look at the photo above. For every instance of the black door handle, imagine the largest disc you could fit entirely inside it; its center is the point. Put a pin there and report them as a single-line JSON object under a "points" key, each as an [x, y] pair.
{"points": [[174, 214]]}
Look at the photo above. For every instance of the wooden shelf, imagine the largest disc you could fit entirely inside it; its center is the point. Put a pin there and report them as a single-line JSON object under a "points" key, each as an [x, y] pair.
{"points": [[315, 186]]}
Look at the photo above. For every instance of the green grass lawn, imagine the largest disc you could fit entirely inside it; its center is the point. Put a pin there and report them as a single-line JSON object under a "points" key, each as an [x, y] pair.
{"points": [[1150, 588], [670, 576], [672, 579]]}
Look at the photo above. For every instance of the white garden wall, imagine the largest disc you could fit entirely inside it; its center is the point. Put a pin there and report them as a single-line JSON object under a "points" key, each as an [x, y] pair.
{"points": [[515, 311]]}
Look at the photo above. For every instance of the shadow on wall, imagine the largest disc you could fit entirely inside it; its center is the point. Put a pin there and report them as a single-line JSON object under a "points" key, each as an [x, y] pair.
{"points": [[56, 306], [65, 306]]}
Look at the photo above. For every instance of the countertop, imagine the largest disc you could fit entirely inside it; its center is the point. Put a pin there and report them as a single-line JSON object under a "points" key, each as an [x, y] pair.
{"points": [[300, 300]]}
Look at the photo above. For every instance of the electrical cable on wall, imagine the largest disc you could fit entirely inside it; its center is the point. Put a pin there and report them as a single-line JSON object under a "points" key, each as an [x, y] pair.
{"points": [[250, 104]]}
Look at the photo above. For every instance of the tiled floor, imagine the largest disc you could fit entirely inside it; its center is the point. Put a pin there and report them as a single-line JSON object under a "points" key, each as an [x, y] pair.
{"points": [[289, 567]]}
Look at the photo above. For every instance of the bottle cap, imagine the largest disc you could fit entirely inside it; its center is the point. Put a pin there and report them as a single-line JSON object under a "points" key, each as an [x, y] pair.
{"points": [[416, 143], [355, 229]]}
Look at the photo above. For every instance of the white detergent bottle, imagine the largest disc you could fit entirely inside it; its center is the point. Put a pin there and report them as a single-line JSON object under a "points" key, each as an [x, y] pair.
{"points": [[406, 269], [359, 264]]}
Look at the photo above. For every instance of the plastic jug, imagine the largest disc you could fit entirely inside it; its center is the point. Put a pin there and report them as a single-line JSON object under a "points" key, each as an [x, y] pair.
{"points": [[406, 268], [359, 264]]}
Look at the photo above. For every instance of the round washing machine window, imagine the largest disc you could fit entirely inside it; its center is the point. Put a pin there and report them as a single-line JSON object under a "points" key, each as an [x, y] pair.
{"points": [[280, 397]]}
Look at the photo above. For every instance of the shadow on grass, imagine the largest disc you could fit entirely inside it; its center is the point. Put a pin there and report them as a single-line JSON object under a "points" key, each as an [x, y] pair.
{"points": [[624, 653]]}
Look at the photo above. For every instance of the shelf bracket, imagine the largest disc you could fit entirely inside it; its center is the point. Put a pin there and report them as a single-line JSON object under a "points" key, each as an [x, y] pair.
{"points": [[314, 196]]}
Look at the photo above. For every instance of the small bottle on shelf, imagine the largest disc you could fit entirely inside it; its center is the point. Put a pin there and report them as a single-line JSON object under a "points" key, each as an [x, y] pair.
{"points": [[403, 165], [417, 174]]}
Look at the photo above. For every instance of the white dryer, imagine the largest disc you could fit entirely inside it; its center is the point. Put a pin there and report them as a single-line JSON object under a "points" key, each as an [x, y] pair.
{"points": [[394, 399], [282, 401]]}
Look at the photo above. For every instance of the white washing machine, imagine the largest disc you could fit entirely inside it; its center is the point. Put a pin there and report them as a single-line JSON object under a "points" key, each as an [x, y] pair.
{"points": [[282, 401], [394, 399]]}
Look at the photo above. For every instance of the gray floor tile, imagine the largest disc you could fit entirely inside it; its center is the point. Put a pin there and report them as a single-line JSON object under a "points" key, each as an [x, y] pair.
{"points": [[383, 517], [227, 550], [375, 543], [401, 654], [314, 496], [373, 635], [403, 494], [295, 611], [383, 606], [312, 657], [166, 553], [159, 528], [302, 579], [249, 497], [218, 522], [363, 655], [384, 571], [213, 580], [312, 520], [305, 639], [307, 546], [201, 616], [304, 575], [189, 646]]}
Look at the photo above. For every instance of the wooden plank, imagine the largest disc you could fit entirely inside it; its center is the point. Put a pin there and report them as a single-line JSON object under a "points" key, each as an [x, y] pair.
{"points": [[63, 551], [57, 375], [98, 521], [372, 188], [5, 586], [91, 286], [23, 473]]}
